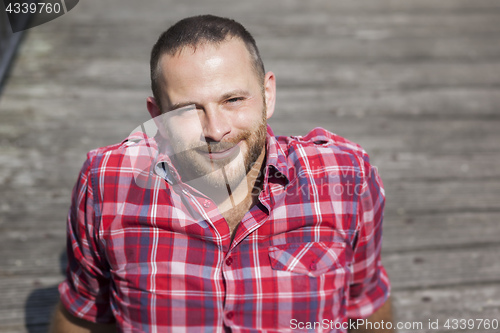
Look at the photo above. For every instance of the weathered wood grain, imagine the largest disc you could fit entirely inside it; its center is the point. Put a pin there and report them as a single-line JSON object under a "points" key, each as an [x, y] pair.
{"points": [[432, 102], [442, 304], [38, 305], [377, 25], [397, 50], [448, 231], [424, 269], [386, 77], [414, 82]]}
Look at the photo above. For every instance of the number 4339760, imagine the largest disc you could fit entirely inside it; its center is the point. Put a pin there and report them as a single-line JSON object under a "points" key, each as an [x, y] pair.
{"points": [[33, 7], [471, 324]]}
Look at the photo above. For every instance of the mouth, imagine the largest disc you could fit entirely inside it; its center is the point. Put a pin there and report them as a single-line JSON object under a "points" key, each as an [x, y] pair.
{"points": [[222, 154]]}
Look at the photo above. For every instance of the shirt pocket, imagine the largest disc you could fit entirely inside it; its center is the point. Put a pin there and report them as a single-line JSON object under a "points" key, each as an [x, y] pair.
{"points": [[312, 259]]}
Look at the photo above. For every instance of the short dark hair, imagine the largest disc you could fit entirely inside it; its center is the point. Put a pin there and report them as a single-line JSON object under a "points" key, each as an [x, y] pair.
{"points": [[194, 30]]}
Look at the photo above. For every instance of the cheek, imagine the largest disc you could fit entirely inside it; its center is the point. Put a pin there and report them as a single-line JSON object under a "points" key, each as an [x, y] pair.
{"points": [[250, 117], [184, 131]]}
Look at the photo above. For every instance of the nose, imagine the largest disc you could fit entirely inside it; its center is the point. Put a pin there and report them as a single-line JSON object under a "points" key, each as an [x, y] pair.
{"points": [[215, 124]]}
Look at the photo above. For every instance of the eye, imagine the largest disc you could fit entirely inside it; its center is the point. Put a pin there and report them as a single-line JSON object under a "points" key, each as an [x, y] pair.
{"points": [[234, 100]]}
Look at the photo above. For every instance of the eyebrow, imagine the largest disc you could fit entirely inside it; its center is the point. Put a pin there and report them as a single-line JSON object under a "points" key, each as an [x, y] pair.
{"points": [[233, 93], [182, 105], [238, 92]]}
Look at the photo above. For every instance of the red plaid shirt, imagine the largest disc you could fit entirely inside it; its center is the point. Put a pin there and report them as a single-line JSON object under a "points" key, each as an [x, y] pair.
{"points": [[155, 255]]}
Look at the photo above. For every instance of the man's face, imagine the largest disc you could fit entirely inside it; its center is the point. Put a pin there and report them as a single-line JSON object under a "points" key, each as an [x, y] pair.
{"points": [[215, 111]]}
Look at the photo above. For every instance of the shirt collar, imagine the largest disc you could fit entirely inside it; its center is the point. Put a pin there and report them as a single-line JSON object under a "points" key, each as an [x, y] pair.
{"points": [[163, 164], [276, 160]]}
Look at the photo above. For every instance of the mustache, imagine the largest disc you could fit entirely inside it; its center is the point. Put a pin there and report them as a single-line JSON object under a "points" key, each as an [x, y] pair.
{"points": [[214, 147], [205, 148], [209, 146]]}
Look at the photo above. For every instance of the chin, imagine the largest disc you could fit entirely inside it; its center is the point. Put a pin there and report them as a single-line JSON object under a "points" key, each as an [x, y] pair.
{"points": [[228, 174], [200, 170]]}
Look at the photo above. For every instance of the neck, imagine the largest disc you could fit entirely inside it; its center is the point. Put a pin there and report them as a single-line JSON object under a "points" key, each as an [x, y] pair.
{"points": [[245, 195]]}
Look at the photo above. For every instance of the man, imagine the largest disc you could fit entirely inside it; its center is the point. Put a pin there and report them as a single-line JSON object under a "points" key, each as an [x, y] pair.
{"points": [[213, 223]]}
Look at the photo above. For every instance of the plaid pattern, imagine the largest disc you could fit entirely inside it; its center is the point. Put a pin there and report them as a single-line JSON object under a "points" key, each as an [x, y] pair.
{"points": [[155, 255]]}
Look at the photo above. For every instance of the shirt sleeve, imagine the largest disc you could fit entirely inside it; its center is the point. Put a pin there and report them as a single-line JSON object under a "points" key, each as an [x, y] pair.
{"points": [[85, 292], [369, 285]]}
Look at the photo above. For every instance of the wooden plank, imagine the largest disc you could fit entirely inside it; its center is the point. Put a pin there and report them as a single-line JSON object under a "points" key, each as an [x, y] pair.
{"points": [[37, 296], [104, 72], [41, 259], [422, 270], [411, 198], [380, 26], [441, 304], [391, 50], [384, 77], [271, 10], [398, 137], [380, 6], [157, 12], [439, 231], [431, 102], [418, 165]]}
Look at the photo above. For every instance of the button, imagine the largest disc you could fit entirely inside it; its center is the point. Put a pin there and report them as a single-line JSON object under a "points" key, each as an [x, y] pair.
{"points": [[312, 266], [229, 261], [206, 203], [230, 315]]}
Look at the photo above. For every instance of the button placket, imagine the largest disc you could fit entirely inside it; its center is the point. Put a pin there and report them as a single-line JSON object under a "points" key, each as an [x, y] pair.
{"points": [[230, 287]]}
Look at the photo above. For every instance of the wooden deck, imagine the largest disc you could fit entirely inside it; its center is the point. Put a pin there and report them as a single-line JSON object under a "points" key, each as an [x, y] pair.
{"points": [[416, 82]]}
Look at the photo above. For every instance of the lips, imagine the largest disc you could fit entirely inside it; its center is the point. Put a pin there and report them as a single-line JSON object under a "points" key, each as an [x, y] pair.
{"points": [[222, 154]]}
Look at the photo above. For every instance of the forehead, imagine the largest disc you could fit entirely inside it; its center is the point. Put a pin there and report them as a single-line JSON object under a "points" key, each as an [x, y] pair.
{"points": [[205, 58], [231, 42]]}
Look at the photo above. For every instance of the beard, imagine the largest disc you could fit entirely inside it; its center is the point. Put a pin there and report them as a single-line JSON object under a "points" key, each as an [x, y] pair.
{"points": [[196, 168]]}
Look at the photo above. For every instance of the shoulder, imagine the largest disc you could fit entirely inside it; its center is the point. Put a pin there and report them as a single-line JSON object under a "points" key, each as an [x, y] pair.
{"points": [[322, 148], [137, 150]]}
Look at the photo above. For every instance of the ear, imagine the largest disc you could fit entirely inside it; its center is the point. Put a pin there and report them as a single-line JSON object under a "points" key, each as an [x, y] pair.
{"points": [[270, 93], [153, 108], [155, 112]]}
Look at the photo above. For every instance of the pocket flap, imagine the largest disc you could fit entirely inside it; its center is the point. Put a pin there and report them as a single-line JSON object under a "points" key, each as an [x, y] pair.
{"points": [[313, 259]]}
